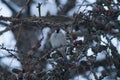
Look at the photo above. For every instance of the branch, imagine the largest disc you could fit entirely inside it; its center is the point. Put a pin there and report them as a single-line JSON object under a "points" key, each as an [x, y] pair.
{"points": [[9, 51]]}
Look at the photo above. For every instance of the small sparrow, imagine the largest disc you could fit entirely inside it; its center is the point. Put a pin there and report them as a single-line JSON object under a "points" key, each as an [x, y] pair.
{"points": [[57, 38]]}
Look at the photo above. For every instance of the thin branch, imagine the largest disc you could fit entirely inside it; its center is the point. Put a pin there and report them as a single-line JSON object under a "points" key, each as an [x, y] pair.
{"points": [[9, 28], [9, 6], [19, 13], [39, 9]]}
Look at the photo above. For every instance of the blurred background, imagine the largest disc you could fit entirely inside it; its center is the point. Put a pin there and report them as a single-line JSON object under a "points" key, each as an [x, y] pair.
{"points": [[53, 7], [92, 34]]}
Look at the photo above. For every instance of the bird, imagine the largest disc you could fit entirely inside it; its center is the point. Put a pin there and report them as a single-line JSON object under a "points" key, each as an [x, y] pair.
{"points": [[58, 41], [58, 38]]}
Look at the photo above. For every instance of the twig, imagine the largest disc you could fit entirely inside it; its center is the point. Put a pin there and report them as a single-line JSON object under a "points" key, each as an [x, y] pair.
{"points": [[39, 9], [9, 6], [80, 6], [9, 28], [19, 13], [9, 51], [78, 11]]}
